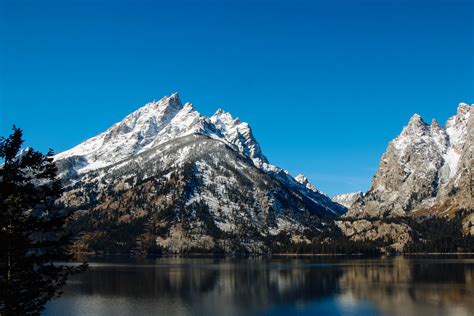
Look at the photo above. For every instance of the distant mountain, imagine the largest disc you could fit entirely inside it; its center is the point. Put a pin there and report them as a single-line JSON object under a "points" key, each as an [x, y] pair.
{"points": [[169, 179], [427, 170], [347, 199], [301, 178]]}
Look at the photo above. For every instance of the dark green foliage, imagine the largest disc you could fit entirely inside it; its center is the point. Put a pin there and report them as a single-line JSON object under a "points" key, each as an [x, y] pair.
{"points": [[328, 242], [31, 230], [439, 234]]}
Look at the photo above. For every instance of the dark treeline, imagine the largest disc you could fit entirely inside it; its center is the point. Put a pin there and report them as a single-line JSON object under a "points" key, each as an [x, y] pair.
{"points": [[338, 245], [438, 234], [434, 234]]}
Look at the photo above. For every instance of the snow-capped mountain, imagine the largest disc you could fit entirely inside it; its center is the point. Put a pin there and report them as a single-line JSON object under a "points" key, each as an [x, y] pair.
{"points": [[301, 178], [149, 126], [427, 167], [170, 178], [425, 171], [238, 134], [347, 199]]}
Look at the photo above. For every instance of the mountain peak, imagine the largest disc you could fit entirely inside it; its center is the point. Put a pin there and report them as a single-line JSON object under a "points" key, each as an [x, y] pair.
{"points": [[434, 123], [303, 180], [347, 199], [416, 125], [424, 167], [167, 158], [464, 111], [189, 106], [238, 133], [416, 119], [219, 112], [173, 100], [157, 122], [166, 106], [174, 95], [225, 118], [463, 108]]}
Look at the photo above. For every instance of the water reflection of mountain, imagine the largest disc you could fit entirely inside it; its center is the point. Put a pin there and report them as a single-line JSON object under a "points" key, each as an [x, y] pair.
{"points": [[204, 284], [413, 286], [212, 286]]}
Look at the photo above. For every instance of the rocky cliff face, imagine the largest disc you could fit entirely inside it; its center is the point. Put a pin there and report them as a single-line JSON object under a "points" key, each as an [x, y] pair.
{"points": [[167, 178], [427, 168], [348, 199]]}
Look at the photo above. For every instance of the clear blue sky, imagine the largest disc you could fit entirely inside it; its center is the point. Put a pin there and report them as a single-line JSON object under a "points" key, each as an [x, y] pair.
{"points": [[324, 84]]}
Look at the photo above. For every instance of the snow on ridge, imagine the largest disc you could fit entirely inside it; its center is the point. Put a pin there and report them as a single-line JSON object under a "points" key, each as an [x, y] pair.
{"points": [[137, 126], [347, 199], [448, 140], [457, 131], [238, 133], [303, 180], [158, 122]]}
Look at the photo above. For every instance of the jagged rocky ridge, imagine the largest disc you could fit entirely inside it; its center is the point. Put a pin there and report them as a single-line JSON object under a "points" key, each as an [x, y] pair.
{"points": [[425, 171], [426, 168], [348, 199], [169, 179]]}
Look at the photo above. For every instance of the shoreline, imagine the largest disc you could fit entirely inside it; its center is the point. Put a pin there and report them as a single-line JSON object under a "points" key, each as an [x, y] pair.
{"points": [[277, 255]]}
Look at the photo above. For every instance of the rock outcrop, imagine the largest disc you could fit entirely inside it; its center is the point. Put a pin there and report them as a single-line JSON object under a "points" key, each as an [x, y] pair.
{"points": [[348, 199], [426, 168], [425, 171]]}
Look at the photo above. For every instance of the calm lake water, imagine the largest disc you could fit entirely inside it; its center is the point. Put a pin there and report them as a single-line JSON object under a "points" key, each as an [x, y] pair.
{"points": [[308, 286]]}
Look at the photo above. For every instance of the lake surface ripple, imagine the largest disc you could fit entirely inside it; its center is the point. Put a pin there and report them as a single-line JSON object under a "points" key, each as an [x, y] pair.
{"points": [[283, 286]]}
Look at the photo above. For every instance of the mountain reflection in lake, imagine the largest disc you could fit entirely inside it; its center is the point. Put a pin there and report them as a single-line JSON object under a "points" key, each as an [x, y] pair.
{"points": [[325, 286]]}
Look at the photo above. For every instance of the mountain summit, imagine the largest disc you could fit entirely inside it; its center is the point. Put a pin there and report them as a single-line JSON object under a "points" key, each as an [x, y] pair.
{"points": [[426, 171], [159, 122], [169, 179], [426, 168]]}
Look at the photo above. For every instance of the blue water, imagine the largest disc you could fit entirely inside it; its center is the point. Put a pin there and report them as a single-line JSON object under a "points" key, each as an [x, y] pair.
{"points": [[305, 286]]}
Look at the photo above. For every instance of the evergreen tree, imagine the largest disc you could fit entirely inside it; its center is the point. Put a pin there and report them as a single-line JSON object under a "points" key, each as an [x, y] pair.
{"points": [[33, 239]]}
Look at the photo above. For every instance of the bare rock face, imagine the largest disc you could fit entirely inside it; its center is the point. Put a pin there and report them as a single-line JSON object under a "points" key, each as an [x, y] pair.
{"points": [[348, 199], [457, 189], [427, 168], [468, 225], [396, 235]]}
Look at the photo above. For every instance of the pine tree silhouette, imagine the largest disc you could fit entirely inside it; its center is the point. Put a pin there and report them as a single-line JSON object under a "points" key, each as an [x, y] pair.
{"points": [[33, 239]]}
